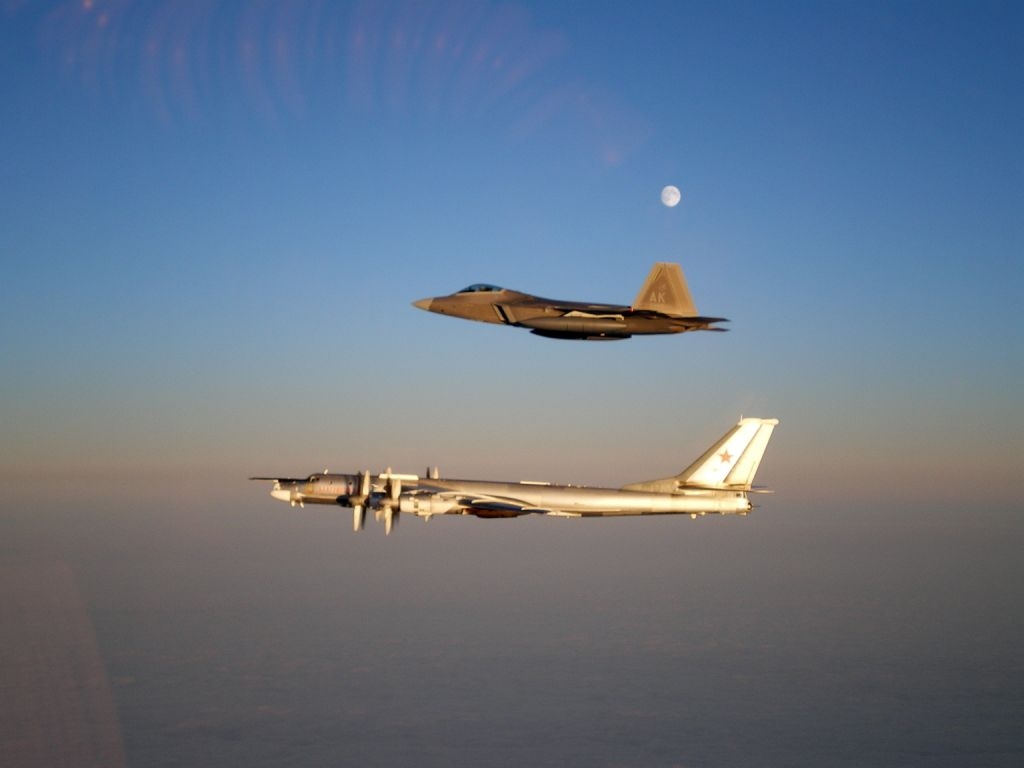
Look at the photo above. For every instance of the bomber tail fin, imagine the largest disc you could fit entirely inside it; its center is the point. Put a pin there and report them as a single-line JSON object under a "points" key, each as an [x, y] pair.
{"points": [[728, 465], [666, 291]]}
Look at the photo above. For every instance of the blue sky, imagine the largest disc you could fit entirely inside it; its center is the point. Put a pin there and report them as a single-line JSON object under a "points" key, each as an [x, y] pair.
{"points": [[214, 218]]}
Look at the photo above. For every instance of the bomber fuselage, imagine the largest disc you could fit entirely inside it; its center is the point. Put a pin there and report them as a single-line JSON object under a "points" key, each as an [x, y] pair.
{"points": [[511, 499]]}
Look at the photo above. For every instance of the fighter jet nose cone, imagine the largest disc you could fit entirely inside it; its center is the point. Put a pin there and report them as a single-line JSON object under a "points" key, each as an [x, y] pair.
{"points": [[423, 304]]}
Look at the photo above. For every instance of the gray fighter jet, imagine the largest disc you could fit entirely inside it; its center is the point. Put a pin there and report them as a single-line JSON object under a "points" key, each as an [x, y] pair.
{"points": [[664, 305], [717, 483]]}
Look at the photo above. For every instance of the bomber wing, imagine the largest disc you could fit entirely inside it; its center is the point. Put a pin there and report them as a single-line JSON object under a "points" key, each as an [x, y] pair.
{"points": [[489, 506], [482, 504], [500, 505]]}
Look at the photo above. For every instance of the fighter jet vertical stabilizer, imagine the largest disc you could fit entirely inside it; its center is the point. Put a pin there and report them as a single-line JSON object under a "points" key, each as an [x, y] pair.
{"points": [[665, 291]]}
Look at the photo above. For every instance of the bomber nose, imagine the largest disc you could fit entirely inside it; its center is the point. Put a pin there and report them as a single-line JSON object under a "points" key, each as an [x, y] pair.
{"points": [[423, 304]]}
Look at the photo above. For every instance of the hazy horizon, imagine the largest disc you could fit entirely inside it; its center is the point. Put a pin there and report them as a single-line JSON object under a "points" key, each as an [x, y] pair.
{"points": [[266, 636]]}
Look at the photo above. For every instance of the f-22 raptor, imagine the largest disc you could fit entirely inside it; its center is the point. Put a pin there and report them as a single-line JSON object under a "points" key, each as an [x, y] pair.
{"points": [[716, 483], [664, 305]]}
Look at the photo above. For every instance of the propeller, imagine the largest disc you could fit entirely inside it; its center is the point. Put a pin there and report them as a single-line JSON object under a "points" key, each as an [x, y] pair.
{"points": [[294, 497], [389, 504], [358, 502]]}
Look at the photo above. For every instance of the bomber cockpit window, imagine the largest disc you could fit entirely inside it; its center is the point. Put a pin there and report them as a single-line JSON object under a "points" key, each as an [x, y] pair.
{"points": [[481, 288]]}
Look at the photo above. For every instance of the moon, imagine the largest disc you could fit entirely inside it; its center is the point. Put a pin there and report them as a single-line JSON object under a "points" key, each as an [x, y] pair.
{"points": [[670, 196]]}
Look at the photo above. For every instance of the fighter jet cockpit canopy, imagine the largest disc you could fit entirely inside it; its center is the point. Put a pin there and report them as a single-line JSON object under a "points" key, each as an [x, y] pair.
{"points": [[482, 288]]}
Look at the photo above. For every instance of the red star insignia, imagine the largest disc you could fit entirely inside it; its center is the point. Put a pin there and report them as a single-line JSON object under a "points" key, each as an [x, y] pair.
{"points": [[725, 456]]}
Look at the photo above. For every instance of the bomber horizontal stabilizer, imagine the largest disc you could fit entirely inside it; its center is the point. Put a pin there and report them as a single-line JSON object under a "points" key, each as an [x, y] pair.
{"points": [[719, 488]]}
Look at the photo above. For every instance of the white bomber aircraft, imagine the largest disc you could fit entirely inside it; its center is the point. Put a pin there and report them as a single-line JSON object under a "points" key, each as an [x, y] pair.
{"points": [[717, 483]]}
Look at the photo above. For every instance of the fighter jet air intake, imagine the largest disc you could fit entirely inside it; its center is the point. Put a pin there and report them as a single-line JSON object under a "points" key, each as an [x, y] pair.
{"points": [[716, 483], [664, 305]]}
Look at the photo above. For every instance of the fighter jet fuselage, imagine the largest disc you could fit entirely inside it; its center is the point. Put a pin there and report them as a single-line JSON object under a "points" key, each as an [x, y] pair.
{"points": [[664, 305]]}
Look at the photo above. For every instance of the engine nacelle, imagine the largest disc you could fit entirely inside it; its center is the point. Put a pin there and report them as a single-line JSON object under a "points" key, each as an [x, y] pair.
{"points": [[426, 505]]}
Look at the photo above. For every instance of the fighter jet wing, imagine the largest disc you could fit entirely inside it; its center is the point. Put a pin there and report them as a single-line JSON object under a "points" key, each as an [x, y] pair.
{"points": [[618, 312], [692, 319], [580, 309]]}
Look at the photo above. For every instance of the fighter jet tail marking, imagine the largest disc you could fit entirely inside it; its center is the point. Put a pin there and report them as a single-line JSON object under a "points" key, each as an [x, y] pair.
{"points": [[666, 291]]}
